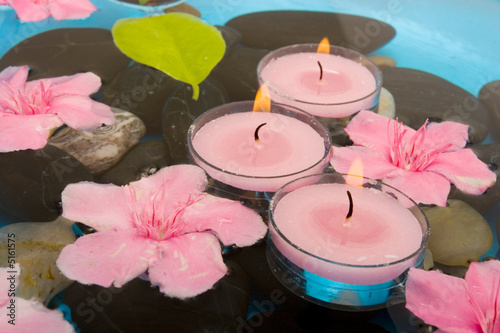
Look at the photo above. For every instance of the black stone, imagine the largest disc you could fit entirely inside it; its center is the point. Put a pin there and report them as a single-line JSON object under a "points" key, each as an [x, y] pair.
{"points": [[140, 307], [231, 36], [253, 261], [142, 90], [67, 51], [181, 110], [420, 95], [142, 160], [238, 72], [31, 182], [489, 154], [489, 95], [274, 29]]}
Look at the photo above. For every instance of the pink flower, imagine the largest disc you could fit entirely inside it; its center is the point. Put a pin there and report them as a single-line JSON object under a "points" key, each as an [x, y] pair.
{"points": [[419, 163], [38, 10], [30, 111], [457, 305], [20, 315], [163, 225]]}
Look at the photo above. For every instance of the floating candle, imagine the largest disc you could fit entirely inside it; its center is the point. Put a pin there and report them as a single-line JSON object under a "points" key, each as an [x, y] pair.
{"points": [[339, 237], [258, 151], [330, 85]]}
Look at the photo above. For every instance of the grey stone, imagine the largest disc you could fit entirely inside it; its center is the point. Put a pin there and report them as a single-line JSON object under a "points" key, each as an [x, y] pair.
{"points": [[102, 148]]}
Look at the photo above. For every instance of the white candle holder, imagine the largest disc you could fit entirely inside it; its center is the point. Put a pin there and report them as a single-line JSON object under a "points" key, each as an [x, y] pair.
{"points": [[338, 285]]}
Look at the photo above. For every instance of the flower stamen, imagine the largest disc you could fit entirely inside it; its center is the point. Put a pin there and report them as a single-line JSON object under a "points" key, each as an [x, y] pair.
{"points": [[411, 154]]}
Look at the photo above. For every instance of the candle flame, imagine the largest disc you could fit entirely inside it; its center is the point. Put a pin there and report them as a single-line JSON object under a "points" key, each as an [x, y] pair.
{"points": [[355, 174], [324, 46], [262, 100]]}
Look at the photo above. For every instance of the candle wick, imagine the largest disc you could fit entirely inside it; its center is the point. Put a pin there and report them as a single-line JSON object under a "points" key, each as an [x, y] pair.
{"points": [[256, 134], [320, 71], [351, 206]]}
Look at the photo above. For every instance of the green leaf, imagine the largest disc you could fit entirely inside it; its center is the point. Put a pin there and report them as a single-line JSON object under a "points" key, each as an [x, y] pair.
{"points": [[180, 45], [143, 2]]}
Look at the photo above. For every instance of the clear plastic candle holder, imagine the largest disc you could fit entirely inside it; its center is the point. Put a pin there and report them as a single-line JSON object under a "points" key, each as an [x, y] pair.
{"points": [[349, 82], [231, 177], [350, 286]]}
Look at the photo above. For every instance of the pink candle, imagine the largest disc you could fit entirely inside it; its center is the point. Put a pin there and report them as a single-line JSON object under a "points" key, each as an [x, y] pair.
{"points": [[325, 85], [375, 245], [288, 144]]}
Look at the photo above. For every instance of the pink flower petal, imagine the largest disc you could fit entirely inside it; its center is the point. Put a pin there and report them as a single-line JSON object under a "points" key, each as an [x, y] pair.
{"points": [[447, 132], [190, 265], [422, 187], [182, 182], [483, 280], [376, 166], [100, 206], [29, 11], [465, 170], [78, 84], [440, 300], [19, 132], [370, 130], [15, 76], [229, 220], [81, 112], [32, 316], [105, 258], [71, 9]]}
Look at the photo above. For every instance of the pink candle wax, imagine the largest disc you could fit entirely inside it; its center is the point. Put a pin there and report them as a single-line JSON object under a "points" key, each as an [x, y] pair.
{"points": [[371, 247], [287, 148], [345, 87]]}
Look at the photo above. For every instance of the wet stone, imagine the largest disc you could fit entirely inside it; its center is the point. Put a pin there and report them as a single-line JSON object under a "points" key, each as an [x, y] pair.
{"points": [[231, 36], [181, 110], [274, 29], [142, 90], [66, 51], [420, 95], [102, 148], [386, 104], [31, 182], [383, 61], [145, 159], [238, 72], [139, 307], [183, 8], [489, 154], [459, 233], [489, 95], [38, 245]]}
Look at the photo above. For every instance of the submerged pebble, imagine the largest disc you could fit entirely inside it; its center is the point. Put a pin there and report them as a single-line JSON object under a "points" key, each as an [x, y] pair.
{"points": [[459, 234], [37, 246]]}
